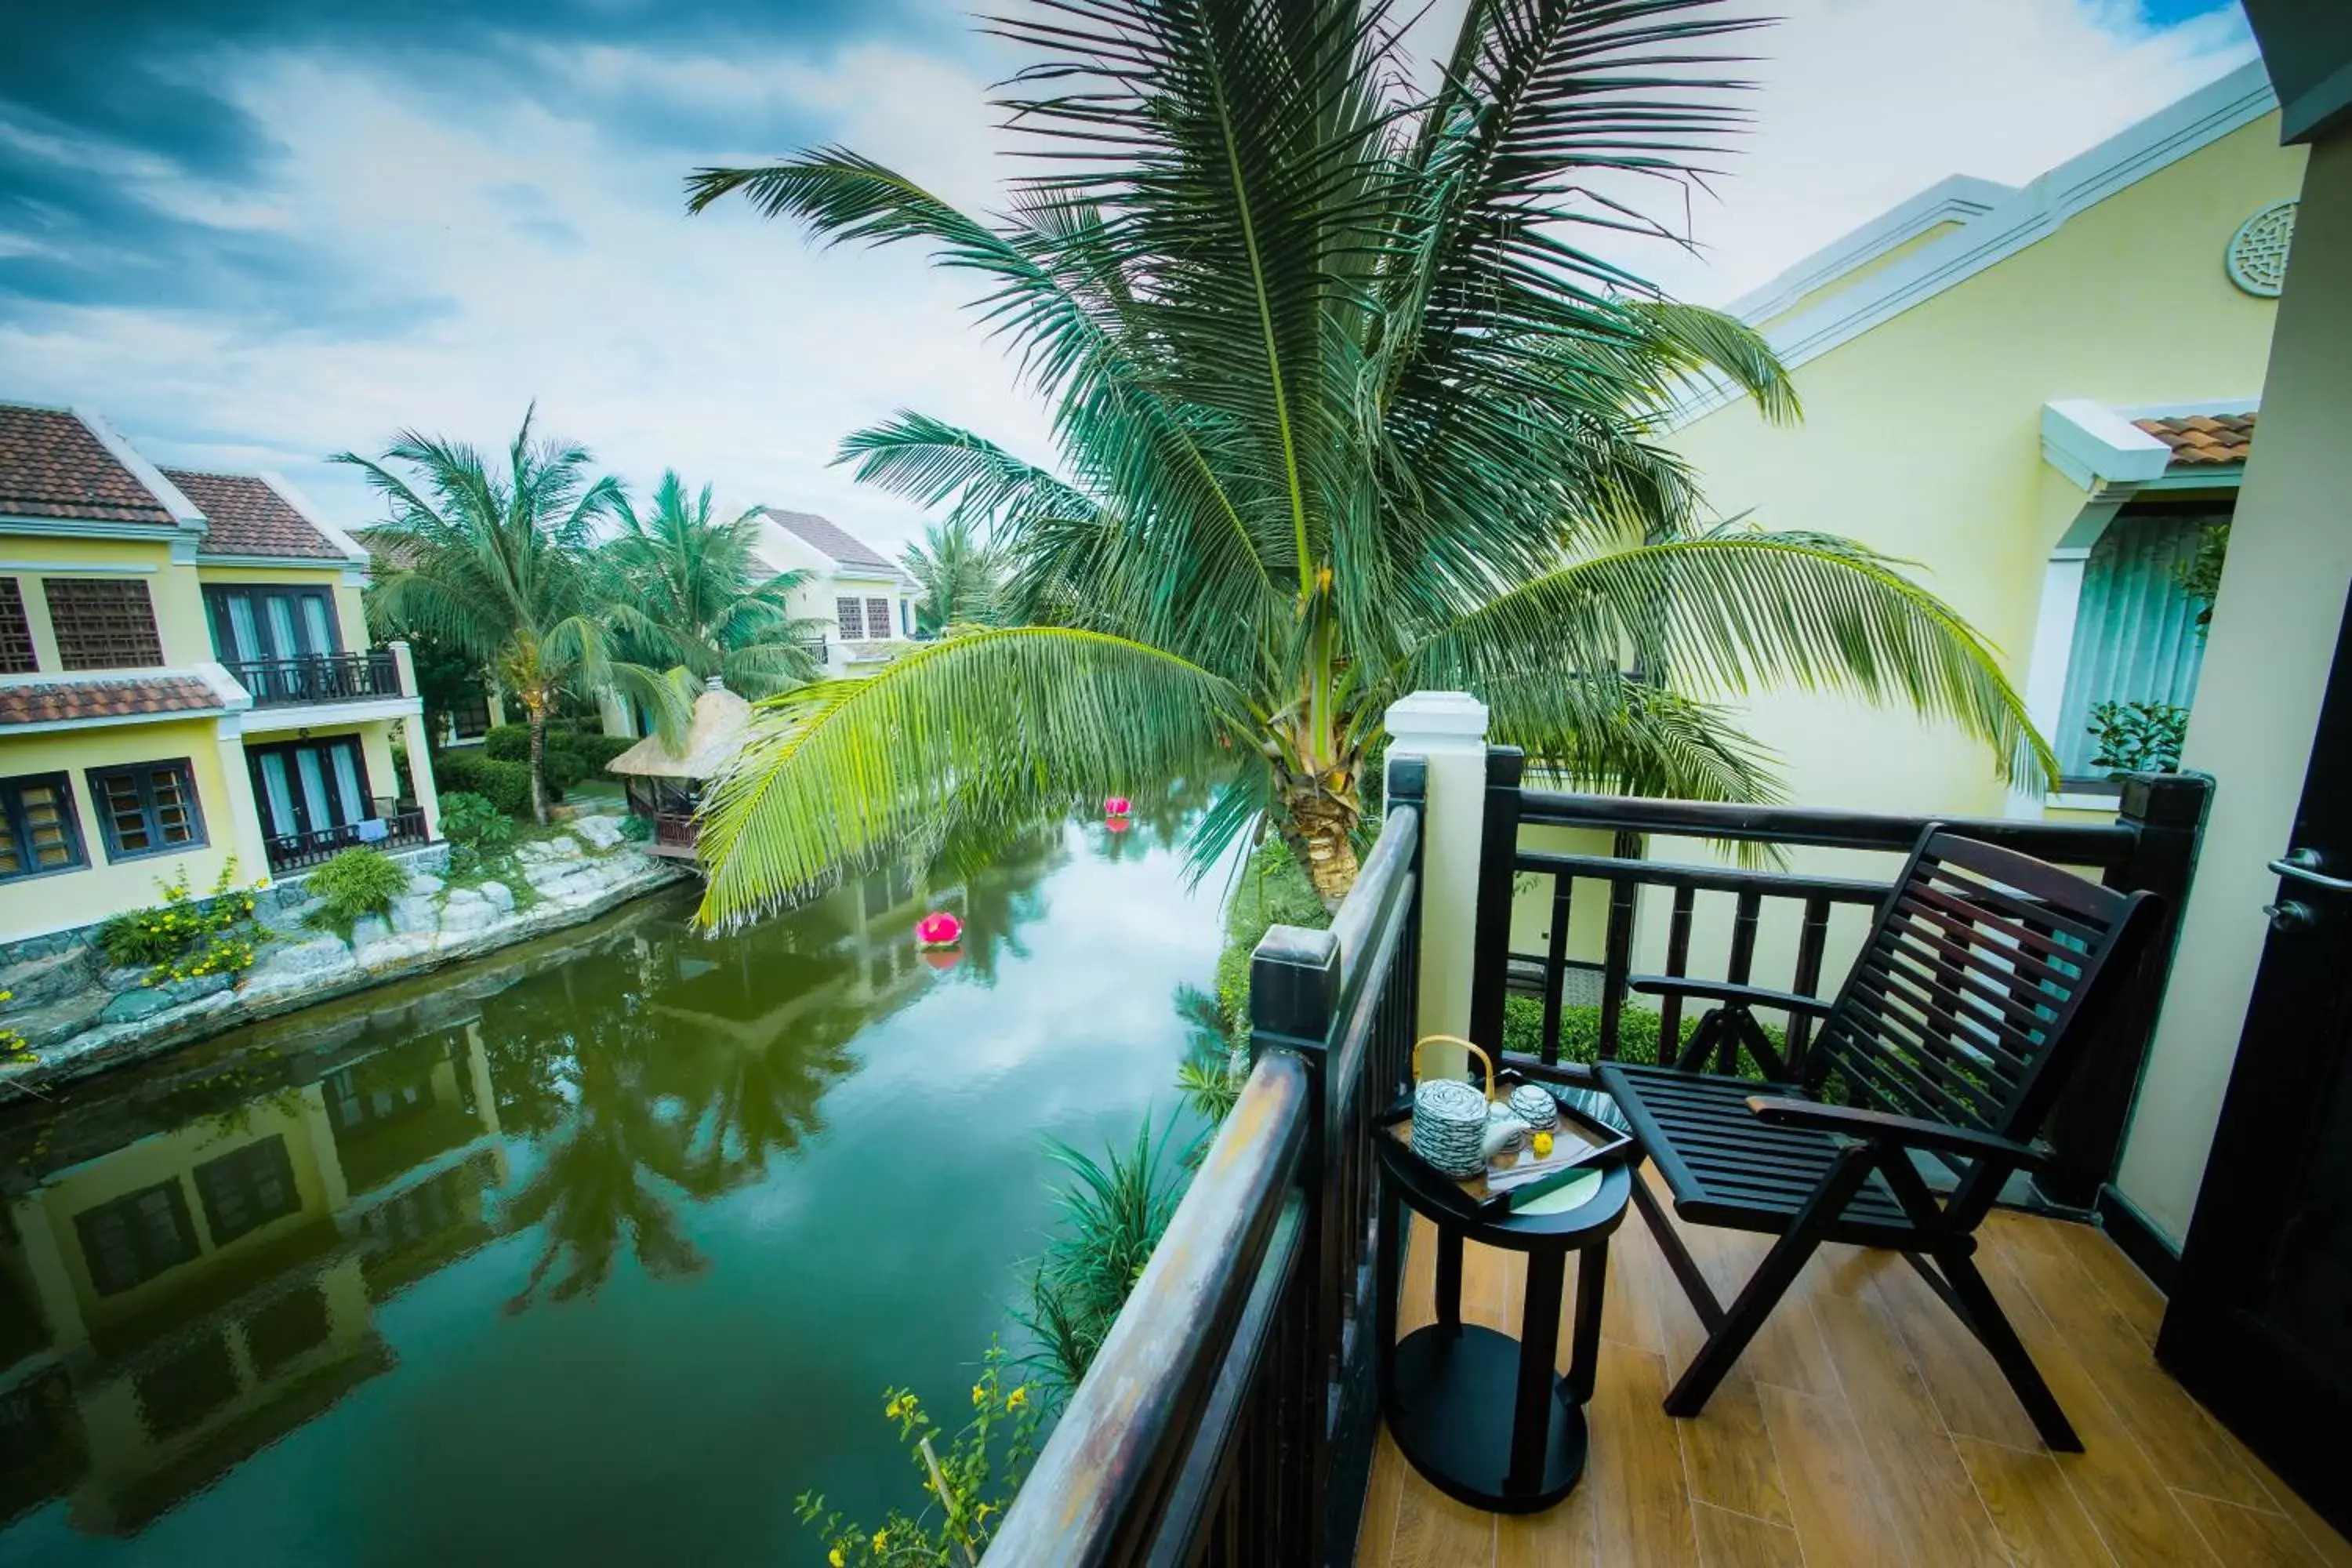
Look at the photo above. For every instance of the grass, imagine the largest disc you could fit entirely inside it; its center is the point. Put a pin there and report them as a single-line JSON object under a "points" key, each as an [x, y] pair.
{"points": [[1637, 1033]]}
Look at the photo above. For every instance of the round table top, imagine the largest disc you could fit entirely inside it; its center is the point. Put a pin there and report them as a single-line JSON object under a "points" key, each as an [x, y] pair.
{"points": [[1435, 1197]]}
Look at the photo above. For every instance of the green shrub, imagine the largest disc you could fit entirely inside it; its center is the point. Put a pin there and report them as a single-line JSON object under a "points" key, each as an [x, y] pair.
{"points": [[596, 750], [637, 829], [354, 883], [506, 785], [145, 937], [572, 754], [507, 744], [1580, 1032], [475, 828], [2137, 737]]}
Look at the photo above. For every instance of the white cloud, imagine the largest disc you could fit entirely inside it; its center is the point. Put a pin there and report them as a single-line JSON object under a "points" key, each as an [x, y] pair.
{"points": [[1863, 104], [733, 350]]}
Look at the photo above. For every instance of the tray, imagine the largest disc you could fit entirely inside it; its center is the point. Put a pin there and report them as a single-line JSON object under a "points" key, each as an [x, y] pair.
{"points": [[1584, 1117]]}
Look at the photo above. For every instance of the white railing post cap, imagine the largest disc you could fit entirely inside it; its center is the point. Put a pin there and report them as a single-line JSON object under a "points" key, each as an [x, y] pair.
{"points": [[1441, 717]]}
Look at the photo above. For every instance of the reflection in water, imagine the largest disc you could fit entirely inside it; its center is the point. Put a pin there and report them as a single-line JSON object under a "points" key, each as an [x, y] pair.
{"points": [[196, 1257]]}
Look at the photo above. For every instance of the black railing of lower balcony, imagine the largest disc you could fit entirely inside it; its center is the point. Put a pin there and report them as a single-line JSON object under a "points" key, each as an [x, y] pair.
{"points": [[319, 678], [676, 829], [1229, 1417], [390, 828], [2152, 845], [817, 648]]}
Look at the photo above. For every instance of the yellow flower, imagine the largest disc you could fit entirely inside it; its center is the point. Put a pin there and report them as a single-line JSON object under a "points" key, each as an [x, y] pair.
{"points": [[979, 1394], [834, 1557], [881, 1540], [1017, 1398]]}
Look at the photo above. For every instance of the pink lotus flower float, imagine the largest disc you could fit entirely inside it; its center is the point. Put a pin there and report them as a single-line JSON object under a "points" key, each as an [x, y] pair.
{"points": [[1116, 806], [938, 929]]}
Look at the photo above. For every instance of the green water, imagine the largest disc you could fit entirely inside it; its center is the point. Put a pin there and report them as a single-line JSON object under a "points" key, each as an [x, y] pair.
{"points": [[598, 1251]]}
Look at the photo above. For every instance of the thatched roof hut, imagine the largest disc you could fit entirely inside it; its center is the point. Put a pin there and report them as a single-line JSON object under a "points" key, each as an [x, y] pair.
{"points": [[721, 721]]}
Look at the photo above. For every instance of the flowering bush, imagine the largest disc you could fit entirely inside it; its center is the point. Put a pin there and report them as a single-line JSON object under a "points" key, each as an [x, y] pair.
{"points": [[185, 937], [13, 1047], [966, 1489]]}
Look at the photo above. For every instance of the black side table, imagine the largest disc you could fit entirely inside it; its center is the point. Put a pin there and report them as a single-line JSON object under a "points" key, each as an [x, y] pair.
{"points": [[1481, 1414]]}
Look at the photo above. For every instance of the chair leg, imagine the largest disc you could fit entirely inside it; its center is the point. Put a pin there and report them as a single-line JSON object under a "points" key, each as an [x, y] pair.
{"points": [[1770, 1282], [1678, 1257], [2009, 1352]]}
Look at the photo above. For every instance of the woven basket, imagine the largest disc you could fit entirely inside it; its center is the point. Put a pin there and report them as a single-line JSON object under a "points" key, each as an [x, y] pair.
{"points": [[1449, 1117]]}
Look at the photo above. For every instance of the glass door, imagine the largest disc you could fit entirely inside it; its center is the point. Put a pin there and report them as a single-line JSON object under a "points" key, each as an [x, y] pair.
{"points": [[310, 793], [273, 639]]}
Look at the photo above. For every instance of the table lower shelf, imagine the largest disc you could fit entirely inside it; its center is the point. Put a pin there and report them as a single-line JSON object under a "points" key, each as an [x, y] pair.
{"points": [[1450, 1404]]}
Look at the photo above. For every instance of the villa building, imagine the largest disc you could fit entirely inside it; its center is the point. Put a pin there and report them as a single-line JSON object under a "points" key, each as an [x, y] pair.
{"points": [[869, 601], [185, 676], [2042, 397]]}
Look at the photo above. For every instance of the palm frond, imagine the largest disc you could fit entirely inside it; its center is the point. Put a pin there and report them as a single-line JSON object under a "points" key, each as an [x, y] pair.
{"points": [[1006, 726]]}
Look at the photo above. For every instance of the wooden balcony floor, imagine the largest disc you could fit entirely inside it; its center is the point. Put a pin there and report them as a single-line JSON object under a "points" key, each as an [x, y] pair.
{"points": [[1865, 1426]]}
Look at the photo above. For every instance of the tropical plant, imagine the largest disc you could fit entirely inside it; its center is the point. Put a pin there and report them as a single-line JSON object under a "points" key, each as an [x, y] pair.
{"points": [[2137, 737], [710, 606], [497, 565], [958, 574], [507, 786], [354, 884], [476, 829], [2200, 577], [1112, 1214], [1346, 407]]}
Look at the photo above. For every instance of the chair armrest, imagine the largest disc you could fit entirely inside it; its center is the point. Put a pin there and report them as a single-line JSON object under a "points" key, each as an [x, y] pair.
{"points": [[1724, 991], [1886, 1127]]}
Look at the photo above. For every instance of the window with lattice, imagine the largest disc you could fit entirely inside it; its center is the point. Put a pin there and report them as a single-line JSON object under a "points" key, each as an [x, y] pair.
{"points": [[38, 831], [17, 654], [147, 809], [878, 618], [102, 622], [851, 616]]}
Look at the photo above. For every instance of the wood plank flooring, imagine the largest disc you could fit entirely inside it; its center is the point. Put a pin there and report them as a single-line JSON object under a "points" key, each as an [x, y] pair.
{"points": [[1865, 1426]]}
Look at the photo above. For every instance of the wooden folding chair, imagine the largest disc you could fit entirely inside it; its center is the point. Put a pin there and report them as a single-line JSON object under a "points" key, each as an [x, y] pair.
{"points": [[1986, 976]]}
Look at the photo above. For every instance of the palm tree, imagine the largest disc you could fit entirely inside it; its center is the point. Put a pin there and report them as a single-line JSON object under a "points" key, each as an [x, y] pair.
{"points": [[1344, 408], [497, 565], [711, 606], [958, 574]]}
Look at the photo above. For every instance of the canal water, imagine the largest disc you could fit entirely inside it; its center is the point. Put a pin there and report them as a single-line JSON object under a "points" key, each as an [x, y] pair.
{"points": [[600, 1250]]}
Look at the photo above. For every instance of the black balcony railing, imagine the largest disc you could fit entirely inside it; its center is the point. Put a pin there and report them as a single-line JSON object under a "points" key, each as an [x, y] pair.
{"points": [[390, 828], [817, 648], [319, 678]]}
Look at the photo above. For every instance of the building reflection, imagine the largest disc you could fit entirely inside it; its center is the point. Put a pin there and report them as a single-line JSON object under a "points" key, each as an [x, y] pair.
{"points": [[192, 1253], [175, 1302]]}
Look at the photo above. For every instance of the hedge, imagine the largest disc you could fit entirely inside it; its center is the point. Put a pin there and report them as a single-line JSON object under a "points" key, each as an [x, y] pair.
{"points": [[506, 785], [572, 755], [1580, 1032]]}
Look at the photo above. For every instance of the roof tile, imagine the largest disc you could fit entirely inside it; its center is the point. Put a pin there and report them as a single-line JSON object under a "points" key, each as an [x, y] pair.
{"points": [[829, 539], [250, 518], [57, 701], [51, 465], [2204, 440]]}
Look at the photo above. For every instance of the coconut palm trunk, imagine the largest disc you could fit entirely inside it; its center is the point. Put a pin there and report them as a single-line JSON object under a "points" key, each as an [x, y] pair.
{"points": [[1353, 394]]}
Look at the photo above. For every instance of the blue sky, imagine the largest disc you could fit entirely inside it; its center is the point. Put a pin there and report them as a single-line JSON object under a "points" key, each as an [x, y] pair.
{"points": [[254, 232]]}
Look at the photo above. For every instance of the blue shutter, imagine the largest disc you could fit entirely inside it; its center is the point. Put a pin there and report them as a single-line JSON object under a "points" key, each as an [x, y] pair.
{"points": [[2135, 636]]}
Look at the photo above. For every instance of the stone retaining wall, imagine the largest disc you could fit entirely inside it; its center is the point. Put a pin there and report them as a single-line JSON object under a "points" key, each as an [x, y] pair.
{"points": [[79, 1017]]}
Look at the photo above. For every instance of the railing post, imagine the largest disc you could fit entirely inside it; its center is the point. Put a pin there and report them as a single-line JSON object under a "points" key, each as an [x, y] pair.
{"points": [[1294, 996], [2167, 813], [1446, 730], [1498, 844]]}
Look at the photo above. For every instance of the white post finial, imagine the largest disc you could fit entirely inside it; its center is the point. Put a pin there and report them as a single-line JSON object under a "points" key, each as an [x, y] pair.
{"points": [[1447, 730]]}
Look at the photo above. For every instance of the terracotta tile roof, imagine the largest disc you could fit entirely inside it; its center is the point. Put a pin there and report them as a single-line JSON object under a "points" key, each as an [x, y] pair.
{"points": [[2203, 439], [52, 466], [248, 517], [829, 539], [54, 701]]}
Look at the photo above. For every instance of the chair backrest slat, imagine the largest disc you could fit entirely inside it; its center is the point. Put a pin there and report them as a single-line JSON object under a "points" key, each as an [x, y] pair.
{"points": [[1973, 982]]}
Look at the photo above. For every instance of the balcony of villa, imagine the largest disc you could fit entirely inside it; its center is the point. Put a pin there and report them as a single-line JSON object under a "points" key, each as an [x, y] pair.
{"points": [[1244, 1409], [312, 689]]}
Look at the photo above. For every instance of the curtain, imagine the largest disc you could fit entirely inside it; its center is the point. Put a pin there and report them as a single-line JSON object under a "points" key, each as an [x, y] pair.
{"points": [[2135, 636], [347, 781], [277, 795]]}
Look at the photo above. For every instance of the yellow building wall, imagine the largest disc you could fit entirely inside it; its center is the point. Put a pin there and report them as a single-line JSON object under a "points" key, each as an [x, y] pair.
{"points": [[103, 887], [172, 589], [351, 620], [174, 1157], [1922, 440]]}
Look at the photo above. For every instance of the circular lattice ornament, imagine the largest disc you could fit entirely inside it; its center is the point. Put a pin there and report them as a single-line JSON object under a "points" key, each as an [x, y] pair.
{"points": [[2257, 255]]}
